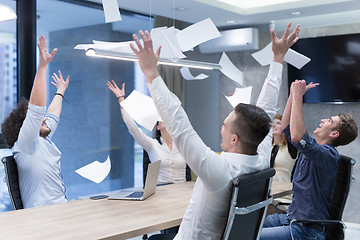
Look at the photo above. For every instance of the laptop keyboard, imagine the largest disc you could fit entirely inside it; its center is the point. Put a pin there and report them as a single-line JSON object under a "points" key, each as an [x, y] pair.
{"points": [[135, 195]]}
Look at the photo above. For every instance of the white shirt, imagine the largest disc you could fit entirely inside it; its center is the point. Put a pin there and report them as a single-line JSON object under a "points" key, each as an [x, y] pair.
{"points": [[38, 161], [172, 166], [206, 215], [283, 165]]}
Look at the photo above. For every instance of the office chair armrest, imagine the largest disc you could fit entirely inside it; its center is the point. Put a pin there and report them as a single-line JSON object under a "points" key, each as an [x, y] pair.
{"points": [[254, 207], [319, 221]]}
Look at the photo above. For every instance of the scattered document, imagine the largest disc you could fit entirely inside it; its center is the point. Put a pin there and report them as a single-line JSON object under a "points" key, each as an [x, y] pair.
{"points": [[241, 95], [196, 34], [95, 171], [84, 46], [186, 74], [166, 38], [142, 109], [229, 69], [265, 57], [296, 59], [111, 10]]}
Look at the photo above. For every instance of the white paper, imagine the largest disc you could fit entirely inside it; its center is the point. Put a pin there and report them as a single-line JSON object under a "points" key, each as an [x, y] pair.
{"points": [[166, 38], [266, 56], [229, 69], [95, 171], [296, 59], [185, 72], [241, 95], [196, 34], [142, 109], [111, 10], [84, 46]]}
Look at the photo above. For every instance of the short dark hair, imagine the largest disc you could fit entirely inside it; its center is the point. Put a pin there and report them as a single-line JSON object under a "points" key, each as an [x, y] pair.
{"points": [[10, 128], [251, 125], [348, 130]]}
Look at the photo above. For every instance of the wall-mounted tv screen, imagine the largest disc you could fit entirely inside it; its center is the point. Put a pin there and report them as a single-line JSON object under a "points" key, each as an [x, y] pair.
{"points": [[335, 64]]}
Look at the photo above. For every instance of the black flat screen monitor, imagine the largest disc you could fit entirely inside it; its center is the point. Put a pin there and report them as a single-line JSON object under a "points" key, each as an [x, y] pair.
{"points": [[335, 64]]}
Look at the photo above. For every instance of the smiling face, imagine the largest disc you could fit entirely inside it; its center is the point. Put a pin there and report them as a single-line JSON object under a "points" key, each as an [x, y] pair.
{"points": [[326, 131], [276, 127]]}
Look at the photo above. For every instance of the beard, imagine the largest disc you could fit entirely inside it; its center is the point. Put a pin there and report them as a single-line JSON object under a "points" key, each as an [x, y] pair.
{"points": [[44, 131]]}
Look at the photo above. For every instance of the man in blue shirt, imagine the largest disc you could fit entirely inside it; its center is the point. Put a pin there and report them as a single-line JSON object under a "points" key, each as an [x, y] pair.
{"points": [[315, 171]]}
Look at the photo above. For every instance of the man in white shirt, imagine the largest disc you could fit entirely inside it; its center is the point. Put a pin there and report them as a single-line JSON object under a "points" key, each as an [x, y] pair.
{"points": [[245, 134], [28, 131]]}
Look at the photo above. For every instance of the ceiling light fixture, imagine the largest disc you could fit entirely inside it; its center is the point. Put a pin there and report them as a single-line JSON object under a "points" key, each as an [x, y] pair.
{"points": [[91, 52], [6, 13], [296, 13]]}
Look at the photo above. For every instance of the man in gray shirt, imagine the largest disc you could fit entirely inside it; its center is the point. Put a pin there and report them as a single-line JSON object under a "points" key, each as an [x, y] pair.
{"points": [[28, 133]]}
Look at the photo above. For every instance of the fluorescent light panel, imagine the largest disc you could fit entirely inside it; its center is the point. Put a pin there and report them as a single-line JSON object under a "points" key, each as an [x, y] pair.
{"points": [[247, 4], [6, 13], [171, 62]]}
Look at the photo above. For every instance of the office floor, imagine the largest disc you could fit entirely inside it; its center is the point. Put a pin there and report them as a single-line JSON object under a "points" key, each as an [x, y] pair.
{"points": [[352, 232]]}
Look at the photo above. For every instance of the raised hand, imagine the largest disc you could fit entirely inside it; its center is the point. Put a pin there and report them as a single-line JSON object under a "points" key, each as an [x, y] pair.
{"points": [[146, 56], [44, 56], [119, 92], [59, 83], [281, 46], [298, 88], [311, 85]]}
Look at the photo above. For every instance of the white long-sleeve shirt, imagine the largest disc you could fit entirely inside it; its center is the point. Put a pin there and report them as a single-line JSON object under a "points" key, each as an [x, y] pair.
{"points": [[173, 165], [206, 215]]}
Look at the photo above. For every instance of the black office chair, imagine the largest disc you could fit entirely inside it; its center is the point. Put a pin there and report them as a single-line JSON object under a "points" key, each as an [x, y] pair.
{"points": [[12, 180], [335, 227], [250, 198]]}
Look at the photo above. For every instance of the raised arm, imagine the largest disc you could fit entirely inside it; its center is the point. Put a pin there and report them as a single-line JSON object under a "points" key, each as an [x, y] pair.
{"points": [[143, 140], [38, 92], [61, 86], [297, 125], [268, 97]]}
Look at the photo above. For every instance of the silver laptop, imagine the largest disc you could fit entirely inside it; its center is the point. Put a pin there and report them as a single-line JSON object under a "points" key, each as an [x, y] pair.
{"points": [[149, 189]]}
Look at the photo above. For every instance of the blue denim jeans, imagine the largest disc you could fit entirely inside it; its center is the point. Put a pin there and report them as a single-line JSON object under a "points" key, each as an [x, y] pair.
{"points": [[277, 227]]}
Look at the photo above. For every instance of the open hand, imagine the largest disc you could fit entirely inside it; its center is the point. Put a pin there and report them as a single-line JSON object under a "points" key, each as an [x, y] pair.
{"points": [[44, 56], [146, 56], [59, 83], [119, 92], [282, 45]]}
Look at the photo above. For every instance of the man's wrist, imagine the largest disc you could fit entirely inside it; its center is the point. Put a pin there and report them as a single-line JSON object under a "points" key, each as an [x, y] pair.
{"points": [[152, 75], [279, 59]]}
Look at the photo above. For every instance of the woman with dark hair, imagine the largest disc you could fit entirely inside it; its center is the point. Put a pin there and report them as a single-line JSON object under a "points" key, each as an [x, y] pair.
{"points": [[173, 165]]}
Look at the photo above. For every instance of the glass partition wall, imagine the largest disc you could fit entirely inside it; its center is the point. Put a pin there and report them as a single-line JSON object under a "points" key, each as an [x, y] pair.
{"points": [[91, 127]]}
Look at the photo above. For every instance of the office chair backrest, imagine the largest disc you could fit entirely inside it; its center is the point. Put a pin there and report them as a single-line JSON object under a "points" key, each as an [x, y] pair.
{"points": [[248, 206], [339, 197], [12, 180]]}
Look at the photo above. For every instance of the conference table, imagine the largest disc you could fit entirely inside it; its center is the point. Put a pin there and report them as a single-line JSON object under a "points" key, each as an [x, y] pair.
{"points": [[101, 219]]}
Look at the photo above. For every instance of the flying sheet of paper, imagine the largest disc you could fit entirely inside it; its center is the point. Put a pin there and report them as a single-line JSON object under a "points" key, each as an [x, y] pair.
{"points": [[95, 171], [241, 95], [229, 69], [142, 109], [111, 10], [265, 57], [196, 34], [185, 72], [296, 59], [166, 38], [84, 46]]}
